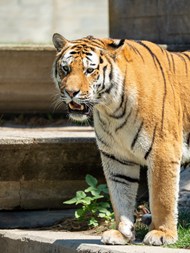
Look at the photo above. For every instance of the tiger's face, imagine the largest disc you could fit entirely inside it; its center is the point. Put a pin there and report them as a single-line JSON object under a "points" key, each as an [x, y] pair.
{"points": [[84, 72]]}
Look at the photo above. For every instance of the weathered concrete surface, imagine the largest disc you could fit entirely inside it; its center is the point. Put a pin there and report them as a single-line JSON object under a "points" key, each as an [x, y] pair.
{"points": [[33, 219], [26, 85], [166, 22], [42, 167], [20, 241]]}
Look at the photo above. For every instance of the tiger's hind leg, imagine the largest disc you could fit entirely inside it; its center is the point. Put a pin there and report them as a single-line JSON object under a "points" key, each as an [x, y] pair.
{"points": [[163, 177], [123, 180]]}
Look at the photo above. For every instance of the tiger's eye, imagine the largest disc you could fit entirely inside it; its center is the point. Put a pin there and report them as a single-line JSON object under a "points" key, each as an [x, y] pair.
{"points": [[65, 68], [89, 70]]}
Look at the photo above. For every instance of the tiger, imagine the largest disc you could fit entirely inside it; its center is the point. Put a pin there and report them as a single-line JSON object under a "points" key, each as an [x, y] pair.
{"points": [[138, 94]]}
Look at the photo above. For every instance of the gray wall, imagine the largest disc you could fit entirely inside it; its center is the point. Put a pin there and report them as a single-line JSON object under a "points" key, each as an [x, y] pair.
{"points": [[161, 21], [36, 20]]}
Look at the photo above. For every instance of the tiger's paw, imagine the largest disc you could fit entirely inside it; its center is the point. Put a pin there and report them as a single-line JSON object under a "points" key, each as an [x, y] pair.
{"points": [[114, 237], [160, 237]]}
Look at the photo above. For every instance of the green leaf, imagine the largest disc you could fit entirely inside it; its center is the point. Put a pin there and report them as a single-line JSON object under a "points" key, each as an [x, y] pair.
{"points": [[93, 222], [101, 215], [92, 181], [79, 213], [102, 210], [85, 201], [103, 188], [89, 189], [95, 193], [97, 197], [71, 201], [104, 204], [80, 195]]}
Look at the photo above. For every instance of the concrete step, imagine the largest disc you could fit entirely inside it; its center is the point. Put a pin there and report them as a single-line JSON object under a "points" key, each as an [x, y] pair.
{"points": [[42, 167], [33, 219], [25, 241]]}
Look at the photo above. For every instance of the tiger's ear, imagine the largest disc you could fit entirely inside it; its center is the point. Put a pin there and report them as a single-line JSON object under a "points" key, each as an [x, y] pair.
{"points": [[59, 41], [117, 46], [112, 44]]}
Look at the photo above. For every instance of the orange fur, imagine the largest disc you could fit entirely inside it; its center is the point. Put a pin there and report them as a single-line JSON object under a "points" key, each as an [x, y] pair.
{"points": [[156, 86]]}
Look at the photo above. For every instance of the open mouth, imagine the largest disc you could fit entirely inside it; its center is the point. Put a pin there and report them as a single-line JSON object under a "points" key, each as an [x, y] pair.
{"points": [[78, 108]]}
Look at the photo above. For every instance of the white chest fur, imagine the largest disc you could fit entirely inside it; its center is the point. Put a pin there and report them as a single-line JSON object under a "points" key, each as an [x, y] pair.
{"points": [[118, 137]]}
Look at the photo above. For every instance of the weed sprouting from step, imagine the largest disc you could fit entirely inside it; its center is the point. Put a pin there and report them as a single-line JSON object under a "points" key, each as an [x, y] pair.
{"points": [[94, 203]]}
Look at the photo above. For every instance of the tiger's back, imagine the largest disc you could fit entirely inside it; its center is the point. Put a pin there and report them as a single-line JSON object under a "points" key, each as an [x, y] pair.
{"points": [[139, 95]]}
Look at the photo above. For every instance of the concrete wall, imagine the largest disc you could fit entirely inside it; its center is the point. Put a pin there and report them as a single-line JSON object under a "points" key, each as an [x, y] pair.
{"points": [[26, 85], [164, 21], [37, 20]]}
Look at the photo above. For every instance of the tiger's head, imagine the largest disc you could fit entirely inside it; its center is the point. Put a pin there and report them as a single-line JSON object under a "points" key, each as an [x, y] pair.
{"points": [[86, 73]]}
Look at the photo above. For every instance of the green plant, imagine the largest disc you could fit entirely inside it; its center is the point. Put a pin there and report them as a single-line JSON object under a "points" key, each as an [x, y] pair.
{"points": [[94, 203], [183, 231]]}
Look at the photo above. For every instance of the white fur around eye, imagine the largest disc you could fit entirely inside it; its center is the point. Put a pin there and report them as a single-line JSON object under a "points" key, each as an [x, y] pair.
{"points": [[91, 60]]}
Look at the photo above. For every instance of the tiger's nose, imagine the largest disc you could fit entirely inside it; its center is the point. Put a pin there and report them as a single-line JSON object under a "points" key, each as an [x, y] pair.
{"points": [[72, 93]]}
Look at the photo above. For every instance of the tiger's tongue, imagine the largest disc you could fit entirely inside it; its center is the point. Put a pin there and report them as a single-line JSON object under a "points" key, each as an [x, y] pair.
{"points": [[75, 106]]}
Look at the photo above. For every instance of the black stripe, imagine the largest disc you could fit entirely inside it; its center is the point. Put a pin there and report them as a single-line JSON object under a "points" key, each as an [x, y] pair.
{"points": [[137, 135], [181, 57], [154, 57], [169, 63], [121, 104], [100, 139], [152, 143], [163, 51], [100, 119], [188, 56], [173, 63], [122, 112], [135, 50], [73, 52], [88, 58], [104, 74], [101, 60], [124, 162], [119, 178], [124, 122], [107, 90], [136, 115], [111, 72], [56, 65], [104, 126], [164, 78]]}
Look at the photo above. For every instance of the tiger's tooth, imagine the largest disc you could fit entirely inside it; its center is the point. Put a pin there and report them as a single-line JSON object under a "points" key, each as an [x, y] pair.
{"points": [[70, 106], [75, 106]]}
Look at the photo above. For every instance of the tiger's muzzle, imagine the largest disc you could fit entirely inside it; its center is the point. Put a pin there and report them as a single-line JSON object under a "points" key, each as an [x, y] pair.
{"points": [[75, 108]]}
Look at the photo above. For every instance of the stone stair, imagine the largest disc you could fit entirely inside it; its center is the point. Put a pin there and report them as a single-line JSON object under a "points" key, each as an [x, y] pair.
{"points": [[42, 167]]}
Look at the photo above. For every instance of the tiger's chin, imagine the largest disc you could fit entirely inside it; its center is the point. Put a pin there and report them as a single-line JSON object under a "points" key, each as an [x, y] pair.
{"points": [[79, 112], [78, 117]]}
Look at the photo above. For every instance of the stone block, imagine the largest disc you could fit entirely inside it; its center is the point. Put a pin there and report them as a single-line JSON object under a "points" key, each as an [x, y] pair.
{"points": [[42, 167], [26, 83]]}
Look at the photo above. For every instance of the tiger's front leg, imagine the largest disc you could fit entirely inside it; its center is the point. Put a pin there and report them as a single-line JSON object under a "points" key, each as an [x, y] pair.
{"points": [[123, 179]]}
